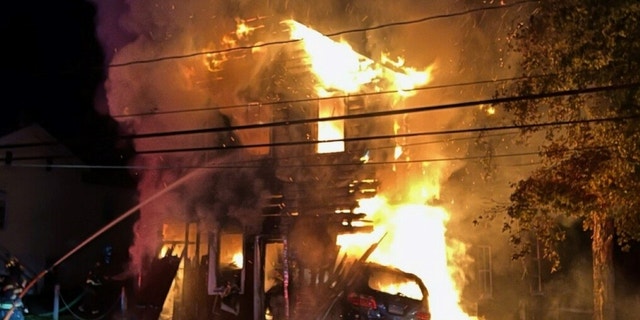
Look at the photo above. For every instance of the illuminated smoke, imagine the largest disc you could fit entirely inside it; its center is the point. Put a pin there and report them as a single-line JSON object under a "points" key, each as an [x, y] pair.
{"points": [[461, 49]]}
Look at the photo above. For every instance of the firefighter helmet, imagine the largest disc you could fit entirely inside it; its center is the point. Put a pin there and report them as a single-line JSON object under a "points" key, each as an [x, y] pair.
{"points": [[12, 263]]}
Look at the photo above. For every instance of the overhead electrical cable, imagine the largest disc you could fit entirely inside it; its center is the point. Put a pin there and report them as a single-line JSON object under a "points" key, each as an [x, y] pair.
{"points": [[244, 166], [468, 130], [390, 136], [392, 112], [317, 99], [287, 158], [356, 95], [283, 42], [463, 104]]}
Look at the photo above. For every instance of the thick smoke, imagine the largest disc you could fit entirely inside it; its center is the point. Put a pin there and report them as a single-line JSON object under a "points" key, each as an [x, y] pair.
{"points": [[141, 30], [462, 49], [146, 30]]}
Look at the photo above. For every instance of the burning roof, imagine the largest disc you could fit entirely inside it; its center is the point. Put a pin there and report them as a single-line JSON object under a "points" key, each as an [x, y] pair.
{"points": [[312, 77]]}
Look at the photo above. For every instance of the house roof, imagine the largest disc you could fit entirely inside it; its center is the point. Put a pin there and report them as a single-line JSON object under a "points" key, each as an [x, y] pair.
{"points": [[33, 145]]}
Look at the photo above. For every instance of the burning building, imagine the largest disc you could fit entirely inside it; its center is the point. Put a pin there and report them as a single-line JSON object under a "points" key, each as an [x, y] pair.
{"points": [[270, 156], [314, 169]]}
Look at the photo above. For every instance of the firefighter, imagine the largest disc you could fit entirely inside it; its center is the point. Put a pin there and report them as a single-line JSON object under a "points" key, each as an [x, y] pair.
{"points": [[95, 284], [12, 286]]}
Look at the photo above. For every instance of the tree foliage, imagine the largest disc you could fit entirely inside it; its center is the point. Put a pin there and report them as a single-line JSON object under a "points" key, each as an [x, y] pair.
{"points": [[591, 168]]}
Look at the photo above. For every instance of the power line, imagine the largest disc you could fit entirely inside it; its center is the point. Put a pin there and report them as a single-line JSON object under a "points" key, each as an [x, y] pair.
{"points": [[456, 105], [356, 95], [283, 42], [458, 131], [391, 136], [245, 166], [305, 100], [356, 116], [444, 132], [391, 146], [29, 144], [353, 139], [425, 19]]}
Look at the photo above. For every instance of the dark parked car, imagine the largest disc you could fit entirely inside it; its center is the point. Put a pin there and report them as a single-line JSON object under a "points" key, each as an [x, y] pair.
{"points": [[374, 291]]}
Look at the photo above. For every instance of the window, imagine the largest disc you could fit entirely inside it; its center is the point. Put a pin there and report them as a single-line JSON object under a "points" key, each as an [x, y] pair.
{"points": [[231, 257], [331, 130], [273, 260], [226, 264], [536, 276], [484, 272], [255, 113]]}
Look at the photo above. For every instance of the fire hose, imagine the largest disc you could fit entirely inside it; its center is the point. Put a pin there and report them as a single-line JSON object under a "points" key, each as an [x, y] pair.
{"points": [[40, 275], [125, 215]]}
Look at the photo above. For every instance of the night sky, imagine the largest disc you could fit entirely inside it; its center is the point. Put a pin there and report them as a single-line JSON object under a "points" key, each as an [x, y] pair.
{"points": [[52, 73]]}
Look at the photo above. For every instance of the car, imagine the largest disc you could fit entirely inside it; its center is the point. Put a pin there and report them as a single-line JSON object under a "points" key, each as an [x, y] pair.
{"points": [[375, 291]]}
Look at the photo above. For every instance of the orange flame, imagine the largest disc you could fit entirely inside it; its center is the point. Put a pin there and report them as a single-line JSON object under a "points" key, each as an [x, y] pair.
{"points": [[339, 67], [336, 64], [237, 260], [242, 29], [330, 130], [409, 289], [415, 242]]}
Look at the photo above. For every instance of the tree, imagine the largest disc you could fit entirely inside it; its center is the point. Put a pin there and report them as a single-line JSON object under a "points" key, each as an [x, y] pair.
{"points": [[590, 171]]}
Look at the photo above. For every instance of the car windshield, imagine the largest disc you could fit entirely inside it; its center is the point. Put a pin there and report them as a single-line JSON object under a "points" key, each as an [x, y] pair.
{"points": [[394, 283]]}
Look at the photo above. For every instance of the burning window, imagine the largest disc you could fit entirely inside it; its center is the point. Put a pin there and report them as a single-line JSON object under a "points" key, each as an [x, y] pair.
{"points": [[340, 70], [273, 268], [331, 130], [231, 257], [226, 266]]}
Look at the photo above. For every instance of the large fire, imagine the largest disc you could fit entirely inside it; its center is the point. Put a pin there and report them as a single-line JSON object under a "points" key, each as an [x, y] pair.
{"points": [[415, 232], [415, 241], [341, 68]]}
